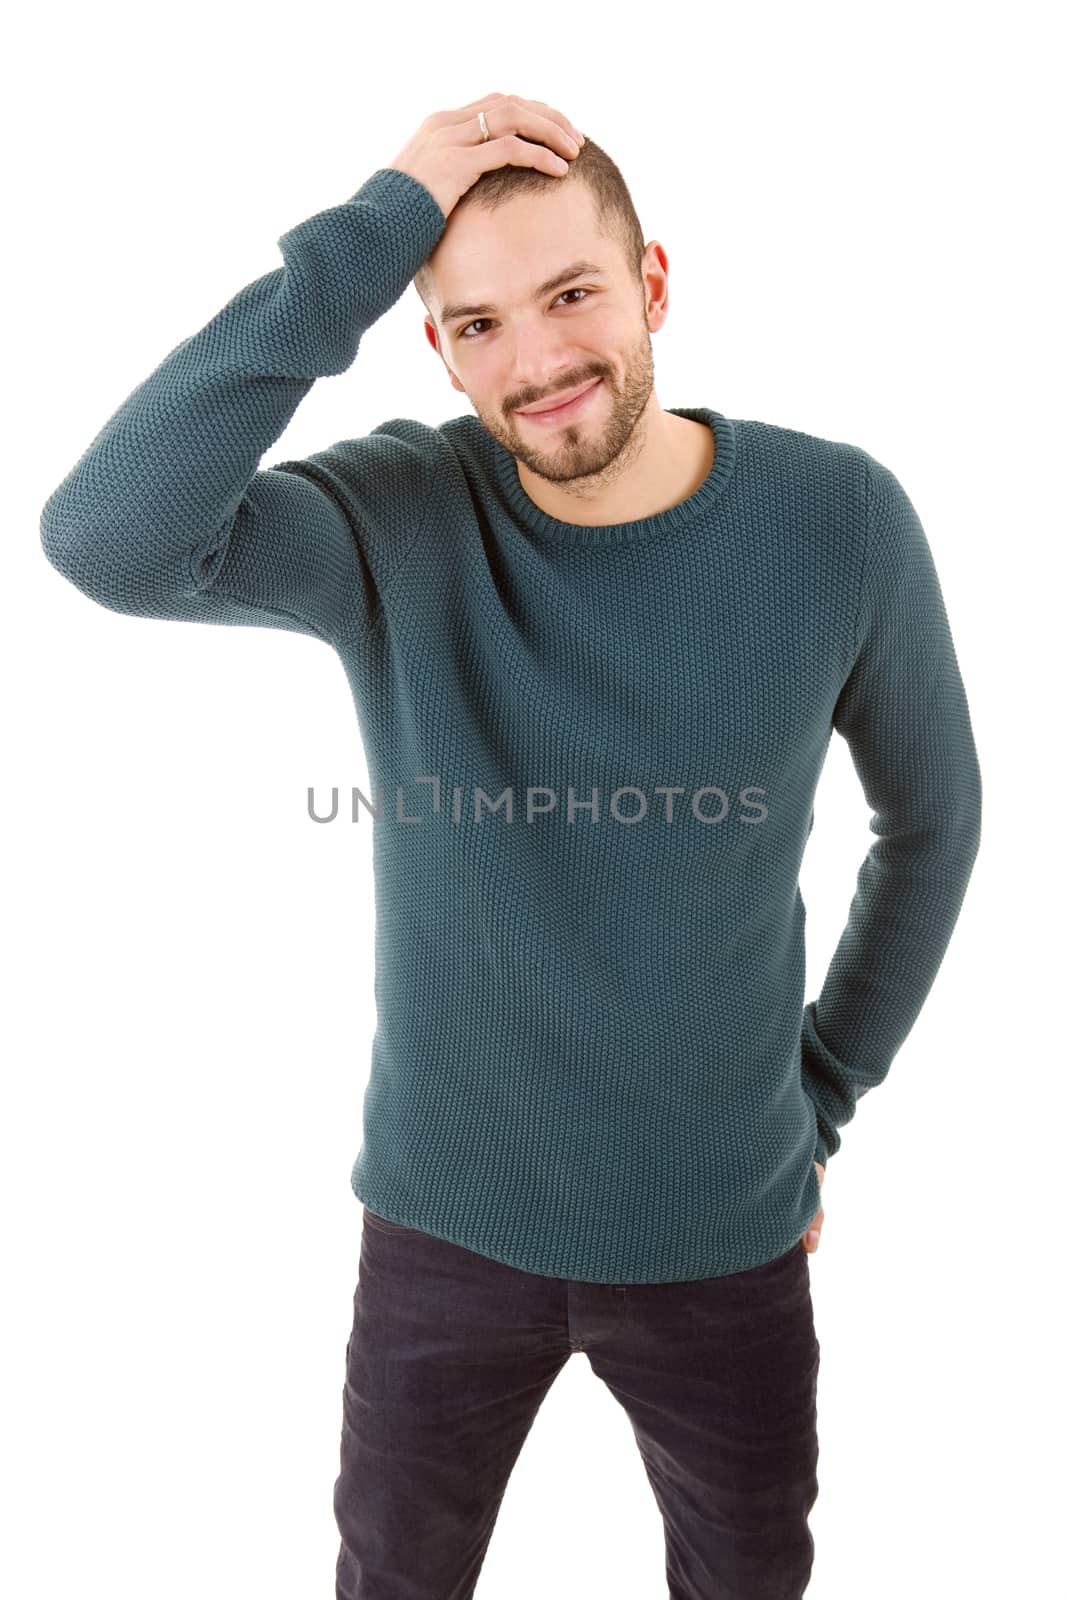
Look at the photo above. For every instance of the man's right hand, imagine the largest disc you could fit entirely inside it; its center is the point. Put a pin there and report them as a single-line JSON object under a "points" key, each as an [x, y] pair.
{"points": [[449, 152]]}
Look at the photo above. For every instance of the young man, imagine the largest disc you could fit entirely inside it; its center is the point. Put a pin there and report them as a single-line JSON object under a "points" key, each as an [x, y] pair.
{"points": [[598, 649]]}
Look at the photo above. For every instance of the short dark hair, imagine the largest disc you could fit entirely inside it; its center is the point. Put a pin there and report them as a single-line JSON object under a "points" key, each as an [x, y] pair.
{"points": [[592, 166]]}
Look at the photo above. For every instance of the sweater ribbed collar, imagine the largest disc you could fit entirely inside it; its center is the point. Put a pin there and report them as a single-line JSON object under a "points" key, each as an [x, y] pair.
{"points": [[693, 508]]}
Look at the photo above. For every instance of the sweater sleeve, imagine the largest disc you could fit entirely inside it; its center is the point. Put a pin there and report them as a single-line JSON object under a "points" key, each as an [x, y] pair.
{"points": [[168, 514], [904, 714]]}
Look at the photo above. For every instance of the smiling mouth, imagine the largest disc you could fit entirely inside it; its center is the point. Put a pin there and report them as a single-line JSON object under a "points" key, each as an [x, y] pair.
{"points": [[565, 409]]}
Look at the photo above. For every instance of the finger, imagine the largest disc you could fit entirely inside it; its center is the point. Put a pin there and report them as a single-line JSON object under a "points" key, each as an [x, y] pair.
{"points": [[512, 150], [531, 119], [565, 122], [811, 1238], [542, 106], [461, 113]]}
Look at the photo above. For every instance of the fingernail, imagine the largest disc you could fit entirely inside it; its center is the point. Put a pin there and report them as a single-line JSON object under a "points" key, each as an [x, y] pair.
{"points": [[813, 1237]]}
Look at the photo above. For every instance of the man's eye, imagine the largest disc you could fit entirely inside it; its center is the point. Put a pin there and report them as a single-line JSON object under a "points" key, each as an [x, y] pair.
{"points": [[464, 332]]}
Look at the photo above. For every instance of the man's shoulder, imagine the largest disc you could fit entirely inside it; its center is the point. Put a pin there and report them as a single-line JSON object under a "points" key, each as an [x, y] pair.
{"points": [[399, 456], [411, 439], [823, 472], [776, 440]]}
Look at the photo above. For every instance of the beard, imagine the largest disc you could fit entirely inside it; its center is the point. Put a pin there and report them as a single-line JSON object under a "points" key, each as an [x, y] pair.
{"points": [[597, 447]]}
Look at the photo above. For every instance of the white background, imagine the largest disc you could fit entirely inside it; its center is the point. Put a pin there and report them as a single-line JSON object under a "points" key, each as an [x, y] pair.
{"points": [[858, 207]]}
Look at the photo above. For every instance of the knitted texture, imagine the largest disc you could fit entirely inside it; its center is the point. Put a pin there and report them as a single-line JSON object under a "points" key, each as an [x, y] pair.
{"points": [[592, 1057]]}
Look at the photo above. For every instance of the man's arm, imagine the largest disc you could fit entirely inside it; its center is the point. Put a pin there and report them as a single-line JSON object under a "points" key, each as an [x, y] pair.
{"points": [[904, 713], [166, 514]]}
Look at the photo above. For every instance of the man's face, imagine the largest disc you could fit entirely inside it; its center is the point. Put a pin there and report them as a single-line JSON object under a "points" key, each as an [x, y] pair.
{"points": [[515, 344]]}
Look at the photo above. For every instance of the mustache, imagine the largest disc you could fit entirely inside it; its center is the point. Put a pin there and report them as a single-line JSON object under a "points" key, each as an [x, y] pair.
{"points": [[564, 388]]}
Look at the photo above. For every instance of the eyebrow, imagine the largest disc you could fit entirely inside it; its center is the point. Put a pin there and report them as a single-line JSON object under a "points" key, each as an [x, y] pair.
{"points": [[577, 269]]}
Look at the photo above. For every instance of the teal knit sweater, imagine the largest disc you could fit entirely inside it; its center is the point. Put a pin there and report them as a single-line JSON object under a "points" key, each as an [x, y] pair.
{"points": [[592, 1057]]}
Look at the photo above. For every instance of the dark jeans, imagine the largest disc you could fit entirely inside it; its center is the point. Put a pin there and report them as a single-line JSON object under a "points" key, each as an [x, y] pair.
{"points": [[452, 1353]]}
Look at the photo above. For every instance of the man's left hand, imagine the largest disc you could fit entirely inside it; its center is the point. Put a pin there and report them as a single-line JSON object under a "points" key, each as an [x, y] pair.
{"points": [[811, 1238]]}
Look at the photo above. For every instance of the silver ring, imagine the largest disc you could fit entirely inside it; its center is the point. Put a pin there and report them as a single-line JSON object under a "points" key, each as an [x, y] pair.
{"points": [[482, 125]]}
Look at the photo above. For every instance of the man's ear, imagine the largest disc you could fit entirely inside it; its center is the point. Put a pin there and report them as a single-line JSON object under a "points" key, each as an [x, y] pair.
{"points": [[431, 334]]}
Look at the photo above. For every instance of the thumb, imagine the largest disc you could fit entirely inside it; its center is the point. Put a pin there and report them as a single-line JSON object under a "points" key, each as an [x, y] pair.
{"points": [[811, 1238]]}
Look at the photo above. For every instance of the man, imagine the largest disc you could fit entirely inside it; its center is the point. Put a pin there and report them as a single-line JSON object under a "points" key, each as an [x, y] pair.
{"points": [[598, 649]]}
